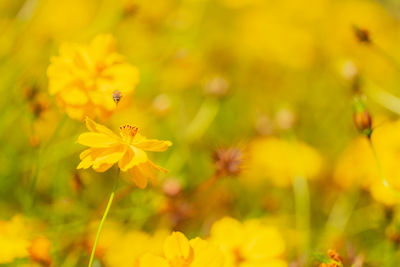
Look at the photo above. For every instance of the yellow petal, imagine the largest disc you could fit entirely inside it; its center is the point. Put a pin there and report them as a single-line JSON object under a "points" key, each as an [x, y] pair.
{"points": [[228, 232], [84, 153], [138, 178], [109, 156], [153, 145], [103, 167], [150, 260], [177, 247], [132, 157], [98, 128], [85, 163], [156, 167], [206, 254], [146, 170], [97, 140]]}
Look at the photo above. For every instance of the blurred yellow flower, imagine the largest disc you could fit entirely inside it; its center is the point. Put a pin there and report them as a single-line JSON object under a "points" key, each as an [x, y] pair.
{"points": [[128, 149], [39, 250], [282, 160], [180, 252], [358, 167], [249, 244], [121, 247], [14, 239], [83, 78]]}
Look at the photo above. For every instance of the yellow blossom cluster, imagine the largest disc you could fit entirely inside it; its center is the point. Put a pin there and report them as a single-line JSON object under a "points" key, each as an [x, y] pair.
{"points": [[84, 77]]}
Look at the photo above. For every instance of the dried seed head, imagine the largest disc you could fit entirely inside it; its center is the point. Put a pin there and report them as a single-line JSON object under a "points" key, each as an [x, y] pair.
{"points": [[335, 256], [117, 95], [362, 35], [362, 118], [228, 161]]}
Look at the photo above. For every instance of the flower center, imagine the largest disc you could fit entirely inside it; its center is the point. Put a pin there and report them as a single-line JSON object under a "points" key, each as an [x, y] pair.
{"points": [[128, 132]]}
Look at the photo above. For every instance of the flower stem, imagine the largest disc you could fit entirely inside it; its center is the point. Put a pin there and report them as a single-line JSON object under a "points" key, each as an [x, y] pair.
{"points": [[302, 212], [100, 227], [103, 219]]}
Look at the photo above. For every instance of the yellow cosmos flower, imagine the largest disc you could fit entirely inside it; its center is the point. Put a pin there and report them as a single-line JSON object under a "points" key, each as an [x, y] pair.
{"points": [[249, 244], [128, 149], [83, 78], [357, 165], [120, 246], [280, 161], [180, 252], [14, 239]]}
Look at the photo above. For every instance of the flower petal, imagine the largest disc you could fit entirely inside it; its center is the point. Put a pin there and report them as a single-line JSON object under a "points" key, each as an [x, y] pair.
{"points": [[109, 156], [138, 178], [153, 145], [156, 167], [132, 157], [176, 247], [98, 140], [98, 128], [103, 167], [149, 260]]}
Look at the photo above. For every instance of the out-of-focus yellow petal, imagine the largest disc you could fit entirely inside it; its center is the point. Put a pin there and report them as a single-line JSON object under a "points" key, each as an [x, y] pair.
{"points": [[132, 157], [261, 242], [206, 254], [228, 233], [153, 145], [150, 260], [98, 128], [138, 177], [177, 248]]}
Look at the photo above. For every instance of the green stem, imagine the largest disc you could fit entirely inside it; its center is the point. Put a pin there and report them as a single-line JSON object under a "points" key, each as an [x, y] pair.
{"points": [[100, 227], [103, 219], [302, 210]]}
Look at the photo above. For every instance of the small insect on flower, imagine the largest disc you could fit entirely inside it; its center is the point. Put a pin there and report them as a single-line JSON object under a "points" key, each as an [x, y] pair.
{"points": [[117, 95], [106, 148]]}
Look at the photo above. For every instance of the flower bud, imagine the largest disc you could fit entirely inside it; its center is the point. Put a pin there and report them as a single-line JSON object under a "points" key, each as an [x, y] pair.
{"points": [[228, 161], [362, 118]]}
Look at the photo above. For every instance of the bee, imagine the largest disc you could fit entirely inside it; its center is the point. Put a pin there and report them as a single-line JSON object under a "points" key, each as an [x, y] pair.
{"points": [[117, 95]]}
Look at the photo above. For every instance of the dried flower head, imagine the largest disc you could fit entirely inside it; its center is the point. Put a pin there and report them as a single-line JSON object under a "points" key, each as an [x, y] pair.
{"points": [[334, 255], [228, 161]]}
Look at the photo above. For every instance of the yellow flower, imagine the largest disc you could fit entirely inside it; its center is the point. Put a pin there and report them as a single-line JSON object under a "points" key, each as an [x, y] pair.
{"points": [[180, 252], [249, 244], [14, 239], [280, 160], [39, 250], [83, 78], [128, 149], [357, 165], [120, 246]]}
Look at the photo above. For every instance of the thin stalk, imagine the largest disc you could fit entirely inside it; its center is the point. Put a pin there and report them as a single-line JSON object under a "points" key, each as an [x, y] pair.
{"points": [[103, 219], [302, 211], [41, 151]]}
